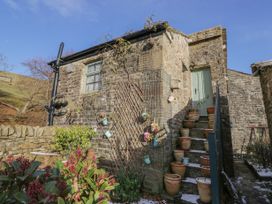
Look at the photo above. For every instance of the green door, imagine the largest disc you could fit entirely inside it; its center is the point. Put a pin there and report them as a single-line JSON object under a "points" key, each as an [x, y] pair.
{"points": [[202, 95]]}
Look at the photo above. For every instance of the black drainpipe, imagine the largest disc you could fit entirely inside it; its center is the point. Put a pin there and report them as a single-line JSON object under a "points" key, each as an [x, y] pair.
{"points": [[55, 68]]}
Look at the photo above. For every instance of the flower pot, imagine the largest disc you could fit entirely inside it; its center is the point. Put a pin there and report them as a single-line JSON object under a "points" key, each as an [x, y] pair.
{"points": [[210, 110], [206, 171], [178, 168], [188, 124], [104, 121], [108, 134], [193, 115], [204, 189], [185, 160], [185, 132], [185, 143], [206, 145], [179, 154], [147, 159], [172, 183], [207, 131], [205, 160]]}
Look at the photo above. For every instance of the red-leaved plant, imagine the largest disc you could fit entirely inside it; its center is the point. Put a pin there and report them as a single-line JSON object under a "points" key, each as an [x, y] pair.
{"points": [[89, 183]]}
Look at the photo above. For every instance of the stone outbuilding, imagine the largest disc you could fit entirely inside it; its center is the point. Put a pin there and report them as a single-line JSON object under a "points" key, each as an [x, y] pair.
{"points": [[157, 70], [264, 71]]}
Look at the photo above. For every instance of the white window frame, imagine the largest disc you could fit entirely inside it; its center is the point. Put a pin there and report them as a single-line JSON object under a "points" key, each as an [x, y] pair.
{"points": [[93, 77]]}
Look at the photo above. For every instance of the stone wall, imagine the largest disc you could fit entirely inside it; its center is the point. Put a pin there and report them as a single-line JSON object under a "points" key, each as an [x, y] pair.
{"points": [[246, 106], [20, 140], [266, 83]]}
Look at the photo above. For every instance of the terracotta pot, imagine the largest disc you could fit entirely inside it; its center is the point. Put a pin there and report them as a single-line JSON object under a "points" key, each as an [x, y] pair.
{"points": [[185, 132], [178, 168], [210, 110], [204, 189], [206, 171], [172, 183], [193, 115], [189, 123], [211, 125], [205, 160], [185, 143], [207, 131], [206, 145], [179, 154]]}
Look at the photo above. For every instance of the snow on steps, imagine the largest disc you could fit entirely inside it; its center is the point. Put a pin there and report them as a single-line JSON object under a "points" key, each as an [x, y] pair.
{"points": [[189, 198]]}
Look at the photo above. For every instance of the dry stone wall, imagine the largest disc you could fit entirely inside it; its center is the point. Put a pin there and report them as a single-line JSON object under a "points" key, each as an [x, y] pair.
{"points": [[246, 106], [20, 140]]}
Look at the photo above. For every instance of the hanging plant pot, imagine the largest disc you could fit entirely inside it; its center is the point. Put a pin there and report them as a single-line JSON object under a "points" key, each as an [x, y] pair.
{"points": [[144, 116], [185, 132], [108, 134], [211, 110], [204, 189], [172, 183], [186, 160], [205, 160], [104, 121], [206, 171], [185, 143], [154, 128], [189, 123], [148, 137], [206, 146], [207, 131], [178, 154], [178, 168], [155, 142], [147, 159]]}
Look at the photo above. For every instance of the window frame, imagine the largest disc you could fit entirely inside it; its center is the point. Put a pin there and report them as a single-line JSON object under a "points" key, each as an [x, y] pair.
{"points": [[96, 83]]}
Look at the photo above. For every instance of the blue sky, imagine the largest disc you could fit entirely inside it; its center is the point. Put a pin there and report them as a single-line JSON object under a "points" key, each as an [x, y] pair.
{"points": [[34, 28]]}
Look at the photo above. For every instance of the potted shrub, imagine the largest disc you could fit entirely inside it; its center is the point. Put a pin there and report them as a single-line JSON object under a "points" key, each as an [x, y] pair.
{"points": [[185, 143], [172, 183], [189, 123], [205, 160], [179, 154], [185, 132], [178, 168], [204, 189]]}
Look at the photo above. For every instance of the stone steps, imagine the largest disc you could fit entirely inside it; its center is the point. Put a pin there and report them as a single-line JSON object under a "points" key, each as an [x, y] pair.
{"points": [[194, 155], [189, 185], [197, 132], [197, 143], [202, 124], [193, 170]]}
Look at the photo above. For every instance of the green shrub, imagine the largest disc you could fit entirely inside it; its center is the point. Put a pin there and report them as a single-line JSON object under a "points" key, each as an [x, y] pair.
{"points": [[261, 153], [22, 182], [68, 139], [128, 189]]}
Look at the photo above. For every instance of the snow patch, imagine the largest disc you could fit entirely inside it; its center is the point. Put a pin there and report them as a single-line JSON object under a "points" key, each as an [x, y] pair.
{"points": [[190, 198]]}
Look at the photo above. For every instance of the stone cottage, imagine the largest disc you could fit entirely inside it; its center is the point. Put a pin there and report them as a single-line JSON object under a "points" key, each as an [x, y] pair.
{"points": [[264, 71], [157, 70]]}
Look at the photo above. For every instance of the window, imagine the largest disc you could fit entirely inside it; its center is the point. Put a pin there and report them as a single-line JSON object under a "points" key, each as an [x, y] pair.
{"points": [[93, 76]]}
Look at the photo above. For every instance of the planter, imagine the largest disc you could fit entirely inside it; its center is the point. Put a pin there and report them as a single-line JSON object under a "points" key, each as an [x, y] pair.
{"points": [[185, 143], [185, 160], [185, 132], [210, 110], [206, 145], [189, 124], [204, 189], [193, 114], [206, 171], [205, 160], [179, 154], [172, 183], [178, 168], [207, 131]]}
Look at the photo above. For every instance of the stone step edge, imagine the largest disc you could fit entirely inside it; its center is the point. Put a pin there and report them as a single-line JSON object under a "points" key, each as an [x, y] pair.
{"points": [[189, 198], [190, 180], [198, 151], [198, 139]]}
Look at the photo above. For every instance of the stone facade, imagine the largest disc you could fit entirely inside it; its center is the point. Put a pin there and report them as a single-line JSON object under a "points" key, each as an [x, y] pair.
{"points": [[246, 106], [264, 70], [161, 67], [20, 140]]}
